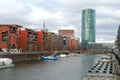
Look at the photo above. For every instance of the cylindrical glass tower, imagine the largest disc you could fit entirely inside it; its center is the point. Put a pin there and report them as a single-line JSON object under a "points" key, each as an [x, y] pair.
{"points": [[88, 27]]}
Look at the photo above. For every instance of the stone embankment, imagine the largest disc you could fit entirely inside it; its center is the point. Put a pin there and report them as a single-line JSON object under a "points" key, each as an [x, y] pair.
{"points": [[105, 69]]}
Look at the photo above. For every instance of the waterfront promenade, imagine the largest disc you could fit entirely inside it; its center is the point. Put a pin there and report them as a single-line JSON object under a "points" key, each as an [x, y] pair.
{"points": [[107, 71]]}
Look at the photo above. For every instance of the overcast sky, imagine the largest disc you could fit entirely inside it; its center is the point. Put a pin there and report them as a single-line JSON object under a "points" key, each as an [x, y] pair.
{"points": [[62, 14]]}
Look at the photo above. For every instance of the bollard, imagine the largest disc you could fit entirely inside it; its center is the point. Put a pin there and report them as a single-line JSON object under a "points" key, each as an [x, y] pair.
{"points": [[94, 66], [106, 66], [89, 71], [104, 71], [99, 68], [96, 71], [110, 72]]}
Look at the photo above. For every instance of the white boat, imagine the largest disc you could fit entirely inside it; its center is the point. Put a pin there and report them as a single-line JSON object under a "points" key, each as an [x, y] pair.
{"points": [[5, 63], [63, 55]]}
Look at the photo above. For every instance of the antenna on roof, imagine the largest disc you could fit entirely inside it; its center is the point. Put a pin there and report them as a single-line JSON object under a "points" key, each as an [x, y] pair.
{"points": [[44, 25]]}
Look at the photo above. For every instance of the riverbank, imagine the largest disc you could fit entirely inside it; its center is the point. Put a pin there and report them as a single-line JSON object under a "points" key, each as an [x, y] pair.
{"points": [[24, 56], [30, 56], [108, 70]]}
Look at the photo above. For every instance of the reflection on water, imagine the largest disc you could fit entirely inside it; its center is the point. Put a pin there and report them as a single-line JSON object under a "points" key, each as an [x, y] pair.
{"points": [[70, 68]]}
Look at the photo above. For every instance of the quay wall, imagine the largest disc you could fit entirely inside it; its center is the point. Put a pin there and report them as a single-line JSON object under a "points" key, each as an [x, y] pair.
{"points": [[28, 56], [16, 57]]}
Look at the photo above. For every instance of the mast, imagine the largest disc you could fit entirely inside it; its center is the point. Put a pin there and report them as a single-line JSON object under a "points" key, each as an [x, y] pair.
{"points": [[43, 26]]}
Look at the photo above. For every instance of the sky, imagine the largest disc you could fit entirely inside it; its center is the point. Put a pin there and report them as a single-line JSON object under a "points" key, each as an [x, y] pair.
{"points": [[62, 14]]}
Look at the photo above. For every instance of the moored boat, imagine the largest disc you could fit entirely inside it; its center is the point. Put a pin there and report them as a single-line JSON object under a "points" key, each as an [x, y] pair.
{"points": [[5, 63], [49, 58]]}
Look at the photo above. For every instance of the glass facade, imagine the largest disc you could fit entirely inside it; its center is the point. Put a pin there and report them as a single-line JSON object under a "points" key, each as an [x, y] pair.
{"points": [[88, 27]]}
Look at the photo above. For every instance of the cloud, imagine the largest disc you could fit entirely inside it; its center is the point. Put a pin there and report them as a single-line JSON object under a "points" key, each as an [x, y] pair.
{"points": [[39, 13], [58, 14], [106, 12], [106, 21], [103, 40], [69, 27]]}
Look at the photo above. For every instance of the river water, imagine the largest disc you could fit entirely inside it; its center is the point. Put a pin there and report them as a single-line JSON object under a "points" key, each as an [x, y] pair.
{"points": [[69, 68]]}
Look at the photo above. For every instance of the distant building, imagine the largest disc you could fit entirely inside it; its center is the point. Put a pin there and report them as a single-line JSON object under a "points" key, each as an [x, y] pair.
{"points": [[60, 42], [88, 27], [72, 44], [50, 42], [78, 44], [99, 47], [64, 43], [68, 33], [56, 42], [102, 46]]}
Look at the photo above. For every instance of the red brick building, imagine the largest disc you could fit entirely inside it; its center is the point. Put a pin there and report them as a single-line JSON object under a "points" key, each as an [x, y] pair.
{"points": [[45, 41], [39, 40], [72, 44], [9, 37], [28, 40], [50, 41], [60, 42], [68, 33]]}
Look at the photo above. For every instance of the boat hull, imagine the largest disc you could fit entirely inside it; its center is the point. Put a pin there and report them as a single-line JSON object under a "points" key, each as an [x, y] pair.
{"points": [[49, 58], [6, 66], [5, 63]]}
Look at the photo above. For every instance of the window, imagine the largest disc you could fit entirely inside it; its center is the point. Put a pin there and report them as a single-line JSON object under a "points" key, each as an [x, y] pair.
{"points": [[12, 29], [30, 36], [4, 36]]}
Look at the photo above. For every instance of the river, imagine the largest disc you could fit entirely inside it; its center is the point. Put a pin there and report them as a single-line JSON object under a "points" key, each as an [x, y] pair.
{"points": [[69, 68]]}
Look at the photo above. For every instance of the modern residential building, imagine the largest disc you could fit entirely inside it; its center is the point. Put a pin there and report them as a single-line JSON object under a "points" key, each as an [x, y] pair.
{"points": [[28, 40], [60, 42], [88, 27], [65, 43], [56, 42], [50, 42], [9, 37], [39, 39], [45, 41], [78, 44], [72, 44]]}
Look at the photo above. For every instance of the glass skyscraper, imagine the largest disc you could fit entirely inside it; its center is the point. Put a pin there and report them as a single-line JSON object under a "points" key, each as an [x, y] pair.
{"points": [[88, 27]]}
